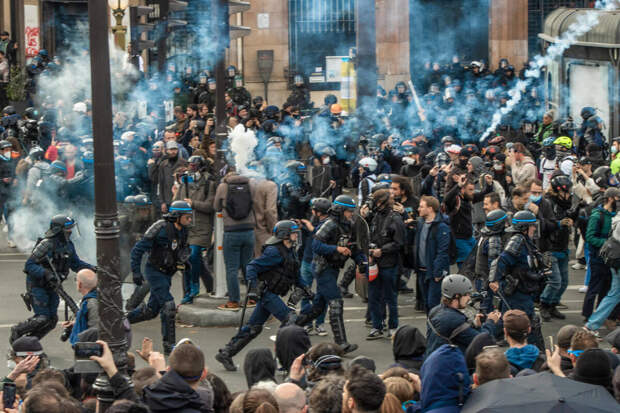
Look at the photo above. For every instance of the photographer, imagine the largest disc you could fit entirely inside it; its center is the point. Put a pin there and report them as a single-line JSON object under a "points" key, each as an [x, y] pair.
{"points": [[446, 322], [88, 315], [387, 233]]}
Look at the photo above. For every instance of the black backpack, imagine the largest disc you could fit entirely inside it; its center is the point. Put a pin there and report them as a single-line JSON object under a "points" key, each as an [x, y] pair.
{"points": [[238, 200]]}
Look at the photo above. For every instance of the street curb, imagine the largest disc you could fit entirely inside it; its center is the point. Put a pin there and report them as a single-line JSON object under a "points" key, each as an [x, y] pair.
{"points": [[204, 313]]}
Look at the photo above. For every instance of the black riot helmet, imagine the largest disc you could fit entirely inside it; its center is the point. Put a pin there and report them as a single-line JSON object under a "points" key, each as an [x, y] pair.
{"points": [[561, 183], [31, 113], [342, 203], [283, 229], [196, 163], [496, 220], [5, 144], [8, 110], [602, 176], [321, 205], [298, 167], [522, 220], [36, 153], [58, 224]]}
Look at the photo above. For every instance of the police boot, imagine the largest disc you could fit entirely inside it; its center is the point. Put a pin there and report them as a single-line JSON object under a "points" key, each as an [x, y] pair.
{"points": [[347, 278], [32, 326], [336, 320], [168, 326], [555, 313], [142, 313], [545, 311], [236, 344]]}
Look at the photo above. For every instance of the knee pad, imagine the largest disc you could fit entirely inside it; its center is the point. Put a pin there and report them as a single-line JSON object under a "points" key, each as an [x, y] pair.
{"points": [[335, 308], [40, 321], [255, 330], [169, 310]]}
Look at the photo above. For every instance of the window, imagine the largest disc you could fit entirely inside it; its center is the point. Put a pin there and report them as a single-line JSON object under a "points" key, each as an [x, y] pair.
{"points": [[319, 28]]}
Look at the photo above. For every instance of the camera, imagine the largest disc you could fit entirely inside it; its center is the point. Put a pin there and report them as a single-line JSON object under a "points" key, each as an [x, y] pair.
{"points": [[66, 333], [478, 297], [83, 351]]}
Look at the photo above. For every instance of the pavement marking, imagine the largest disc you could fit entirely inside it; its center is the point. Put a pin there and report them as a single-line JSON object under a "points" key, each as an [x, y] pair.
{"points": [[11, 260]]}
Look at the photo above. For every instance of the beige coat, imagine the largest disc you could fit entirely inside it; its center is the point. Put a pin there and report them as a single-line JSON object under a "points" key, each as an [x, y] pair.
{"points": [[265, 211]]}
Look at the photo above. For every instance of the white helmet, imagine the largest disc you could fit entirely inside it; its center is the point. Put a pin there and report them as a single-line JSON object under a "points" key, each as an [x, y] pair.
{"points": [[368, 163]]}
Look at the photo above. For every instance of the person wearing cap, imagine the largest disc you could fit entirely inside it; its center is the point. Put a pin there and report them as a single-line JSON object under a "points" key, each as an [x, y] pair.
{"points": [[520, 355], [518, 272], [46, 268], [598, 230], [446, 322], [25, 359], [167, 242], [166, 170], [546, 128]]}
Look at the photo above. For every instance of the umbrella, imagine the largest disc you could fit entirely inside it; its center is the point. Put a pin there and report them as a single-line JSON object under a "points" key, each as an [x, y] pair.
{"points": [[540, 393]]}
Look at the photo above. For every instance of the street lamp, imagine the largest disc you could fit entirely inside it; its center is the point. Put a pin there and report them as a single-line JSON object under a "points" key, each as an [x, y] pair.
{"points": [[118, 11]]}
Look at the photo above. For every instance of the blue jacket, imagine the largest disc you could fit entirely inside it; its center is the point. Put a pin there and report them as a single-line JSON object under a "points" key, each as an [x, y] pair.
{"points": [[445, 320], [437, 248], [81, 318], [36, 270], [524, 357], [147, 243], [445, 380]]}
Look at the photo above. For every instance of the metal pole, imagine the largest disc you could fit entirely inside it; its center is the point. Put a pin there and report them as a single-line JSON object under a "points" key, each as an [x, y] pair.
{"points": [[365, 22], [111, 328], [221, 27], [162, 46]]}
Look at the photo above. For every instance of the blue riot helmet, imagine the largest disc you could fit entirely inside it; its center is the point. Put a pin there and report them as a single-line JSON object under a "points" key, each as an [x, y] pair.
{"points": [[496, 220], [178, 209], [58, 167], [284, 229], [321, 205], [60, 224], [522, 220], [231, 71], [297, 167], [341, 204]]}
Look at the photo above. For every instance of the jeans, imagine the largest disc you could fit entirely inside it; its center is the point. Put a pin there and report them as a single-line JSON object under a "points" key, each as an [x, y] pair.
{"points": [[238, 251], [599, 285], [607, 304], [307, 277], [463, 248], [385, 285], [558, 281], [586, 253], [191, 278]]}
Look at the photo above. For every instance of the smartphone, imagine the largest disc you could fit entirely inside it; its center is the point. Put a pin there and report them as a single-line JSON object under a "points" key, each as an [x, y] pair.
{"points": [[85, 350], [551, 346], [9, 390]]}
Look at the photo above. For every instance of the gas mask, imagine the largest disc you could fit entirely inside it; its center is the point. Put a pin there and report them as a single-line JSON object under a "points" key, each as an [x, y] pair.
{"points": [[550, 152], [326, 160], [409, 161]]}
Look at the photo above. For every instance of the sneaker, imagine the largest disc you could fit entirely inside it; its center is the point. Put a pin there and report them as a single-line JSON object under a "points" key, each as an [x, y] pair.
{"points": [[593, 332], [229, 306], [251, 303], [11, 244], [226, 361], [368, 323], [583, 289], [320, 330], [374, 334], [391, 332], [578, 266], [187, 300], [310, 330]]}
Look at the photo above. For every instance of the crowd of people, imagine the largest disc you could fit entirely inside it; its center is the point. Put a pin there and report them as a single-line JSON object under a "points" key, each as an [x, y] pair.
{"points": [[412, 203]]}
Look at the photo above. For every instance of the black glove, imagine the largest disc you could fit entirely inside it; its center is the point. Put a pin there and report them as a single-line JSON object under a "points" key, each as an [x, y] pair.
{"points": [[137, 279], [51, 280], [252, 294]]}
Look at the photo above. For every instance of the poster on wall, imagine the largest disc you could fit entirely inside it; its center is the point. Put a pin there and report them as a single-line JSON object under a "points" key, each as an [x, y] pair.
{"points": [[32, 30]]}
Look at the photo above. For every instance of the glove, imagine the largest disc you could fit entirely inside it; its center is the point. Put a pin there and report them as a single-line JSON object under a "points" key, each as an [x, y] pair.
{"points": [[252, 294], [308, 293], [137, 279], [51, 280]]}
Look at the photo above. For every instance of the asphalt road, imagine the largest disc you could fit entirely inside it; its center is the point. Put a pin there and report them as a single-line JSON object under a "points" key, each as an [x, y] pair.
{"points": [[12, 310]]}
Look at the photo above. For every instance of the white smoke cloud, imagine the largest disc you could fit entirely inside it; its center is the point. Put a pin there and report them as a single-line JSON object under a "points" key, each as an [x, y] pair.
{"points": [[242, 144]]}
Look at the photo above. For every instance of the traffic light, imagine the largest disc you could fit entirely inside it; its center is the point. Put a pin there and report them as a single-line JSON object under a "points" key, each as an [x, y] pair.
{"points": [[137, 28], [166, 25]]}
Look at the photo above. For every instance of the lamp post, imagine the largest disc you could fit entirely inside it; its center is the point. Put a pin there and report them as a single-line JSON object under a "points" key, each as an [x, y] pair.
{"points": [[118, 11]]}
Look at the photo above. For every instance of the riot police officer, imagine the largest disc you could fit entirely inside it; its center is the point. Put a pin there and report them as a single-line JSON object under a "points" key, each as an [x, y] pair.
{"points": [[490, 245], [519, 272], [166, 240], [239, 94], [269, 277], [46, 268], [332, 246], [295, 194]]}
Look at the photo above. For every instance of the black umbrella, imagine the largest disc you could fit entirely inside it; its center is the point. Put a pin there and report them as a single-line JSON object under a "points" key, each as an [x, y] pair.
{"points": [[540, 393]]}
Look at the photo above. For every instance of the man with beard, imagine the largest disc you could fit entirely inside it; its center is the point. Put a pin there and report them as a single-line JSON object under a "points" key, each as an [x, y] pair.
{"points": [[152, 166], [165, 178]]}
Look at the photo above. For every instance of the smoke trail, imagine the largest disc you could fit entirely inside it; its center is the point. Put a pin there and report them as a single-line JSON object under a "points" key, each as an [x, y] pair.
{"points": [[584, 23], [242, 144]]}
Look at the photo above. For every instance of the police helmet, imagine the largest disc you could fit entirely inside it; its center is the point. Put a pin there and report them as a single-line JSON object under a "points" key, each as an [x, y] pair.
{"points": [[5, 144], [59, 166], [522, 220], [410, 150], [387, 178], [330, 99], [380, 185], [271, 111], [36, 153], [43, 52], [141, 200], [88, 158], [321, 205], [283, 229], [31, 113], [178, 208], [455, 284], [447, 139], [561, 183], [258, 100], [602, 176], [368, 164], [496, 220], [297, 166], [130, 199], [58, 224], [9, 110], [197, 161], [343, 203]]}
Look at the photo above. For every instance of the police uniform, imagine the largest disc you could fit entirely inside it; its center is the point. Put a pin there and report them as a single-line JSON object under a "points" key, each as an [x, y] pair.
{"points": [[169, 252], [326, 264], [52, 257], [271, 276]]}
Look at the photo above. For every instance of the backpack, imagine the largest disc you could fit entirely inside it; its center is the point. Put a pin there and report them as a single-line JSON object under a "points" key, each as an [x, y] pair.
{"points": [[238, 200], [610, 252]]}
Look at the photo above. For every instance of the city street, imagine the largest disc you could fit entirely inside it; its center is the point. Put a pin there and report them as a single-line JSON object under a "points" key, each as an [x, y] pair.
{"points": [[13, 310]]}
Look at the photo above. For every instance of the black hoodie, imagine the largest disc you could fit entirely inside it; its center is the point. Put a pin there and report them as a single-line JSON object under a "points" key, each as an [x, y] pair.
{"points": [[291, 342], [259, 365], [409, 347], [172, 394]]}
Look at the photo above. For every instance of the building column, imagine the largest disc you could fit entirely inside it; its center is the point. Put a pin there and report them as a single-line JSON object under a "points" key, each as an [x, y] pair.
{"points": [[508, 32]]}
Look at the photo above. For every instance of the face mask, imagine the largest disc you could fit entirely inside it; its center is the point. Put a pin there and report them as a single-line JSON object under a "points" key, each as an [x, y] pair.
{"points": [[498, 166], [614, 150], [11, 364], [409, 161], [535, 198], [326, 160]]}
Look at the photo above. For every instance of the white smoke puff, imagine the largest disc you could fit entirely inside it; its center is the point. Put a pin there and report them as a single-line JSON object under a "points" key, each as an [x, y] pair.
{"points": [[242, 144]]}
